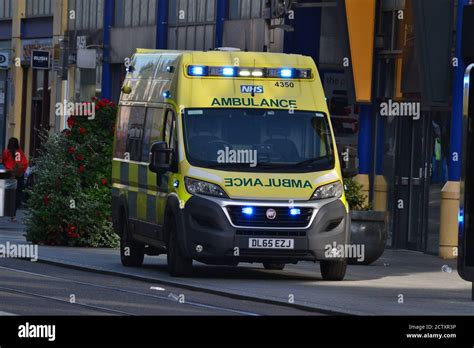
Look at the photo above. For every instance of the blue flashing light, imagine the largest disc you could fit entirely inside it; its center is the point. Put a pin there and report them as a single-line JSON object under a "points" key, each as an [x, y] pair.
{"points": [[197, 70], [287, 73], [167, 94], [247, 211], [294, 212], [228, 72], [461, 218]]}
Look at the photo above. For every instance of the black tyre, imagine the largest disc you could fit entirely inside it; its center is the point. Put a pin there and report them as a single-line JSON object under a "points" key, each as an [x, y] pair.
{"points": [[131, 253], [274, 266], [178, 265], [333, 270]]}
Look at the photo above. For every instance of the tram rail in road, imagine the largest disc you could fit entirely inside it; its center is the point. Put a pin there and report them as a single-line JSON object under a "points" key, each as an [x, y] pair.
{"points": [[105, 294]]}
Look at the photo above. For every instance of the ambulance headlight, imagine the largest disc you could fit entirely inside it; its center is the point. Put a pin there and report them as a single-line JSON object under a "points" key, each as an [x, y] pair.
{"points": [[332, 190], [195, 186]]}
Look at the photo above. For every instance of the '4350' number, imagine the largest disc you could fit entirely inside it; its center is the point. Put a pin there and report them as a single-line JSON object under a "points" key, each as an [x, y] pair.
{"points": [[285, 84]]}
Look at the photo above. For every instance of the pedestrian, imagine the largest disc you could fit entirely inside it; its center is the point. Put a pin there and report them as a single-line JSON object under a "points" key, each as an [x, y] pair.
{"points": [[15, 161]]}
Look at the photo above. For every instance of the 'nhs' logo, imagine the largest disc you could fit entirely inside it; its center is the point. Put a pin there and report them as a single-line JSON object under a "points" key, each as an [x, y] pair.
{"points": [[251, 89]]}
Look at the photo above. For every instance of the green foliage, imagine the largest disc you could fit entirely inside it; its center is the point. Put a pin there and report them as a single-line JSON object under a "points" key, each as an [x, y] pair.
{"points": [[354, 195], [70, 203]]}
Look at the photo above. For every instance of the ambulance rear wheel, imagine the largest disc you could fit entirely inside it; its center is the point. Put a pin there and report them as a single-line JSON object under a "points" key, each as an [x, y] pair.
{"points": [[333, 270], [131, 253], [274, 266], [178, 265]]}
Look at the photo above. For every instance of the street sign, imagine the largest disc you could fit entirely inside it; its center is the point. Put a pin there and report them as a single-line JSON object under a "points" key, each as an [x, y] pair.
{"points": [[40, 60], [4, 60], [86, 58]]}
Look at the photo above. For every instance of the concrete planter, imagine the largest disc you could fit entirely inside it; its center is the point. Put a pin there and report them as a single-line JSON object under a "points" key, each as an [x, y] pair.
{"points": [[369, 228]]}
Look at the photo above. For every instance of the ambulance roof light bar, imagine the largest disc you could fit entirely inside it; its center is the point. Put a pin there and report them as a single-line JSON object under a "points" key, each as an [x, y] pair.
{"points": [[227, 71], [197, 71]]}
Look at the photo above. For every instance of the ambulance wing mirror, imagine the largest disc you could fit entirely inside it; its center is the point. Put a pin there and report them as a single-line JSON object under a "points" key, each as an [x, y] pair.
{"points": [[160, 158], [348, 161]]}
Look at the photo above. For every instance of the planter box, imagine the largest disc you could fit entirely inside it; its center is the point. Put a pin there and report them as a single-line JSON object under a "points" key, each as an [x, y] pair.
{"points": [[369, 228]]}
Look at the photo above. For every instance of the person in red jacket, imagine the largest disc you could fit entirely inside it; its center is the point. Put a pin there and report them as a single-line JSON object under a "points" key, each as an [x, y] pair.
{"points": [[15, 161]]}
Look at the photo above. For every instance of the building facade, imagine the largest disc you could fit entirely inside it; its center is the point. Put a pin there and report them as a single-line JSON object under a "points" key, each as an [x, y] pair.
{"points": [[370, 53]]}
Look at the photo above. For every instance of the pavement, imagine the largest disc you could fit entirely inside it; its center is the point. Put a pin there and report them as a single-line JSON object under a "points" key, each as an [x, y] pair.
{"points": [[401, 282]]}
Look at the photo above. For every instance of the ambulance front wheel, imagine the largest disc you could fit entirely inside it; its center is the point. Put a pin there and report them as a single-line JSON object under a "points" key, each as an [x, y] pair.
{"points": [[178, 264], [333, 270], [131, 253]]}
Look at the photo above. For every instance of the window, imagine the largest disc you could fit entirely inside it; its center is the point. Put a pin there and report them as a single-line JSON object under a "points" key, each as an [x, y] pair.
{"points": [[153, 130], [246, 9], [170, 129], [121, 133], [138, 129], [136, 133], [191, 24], [5, 9], [89, 14], [39, 8], [278, 141], [135, 13], [130, 133]]}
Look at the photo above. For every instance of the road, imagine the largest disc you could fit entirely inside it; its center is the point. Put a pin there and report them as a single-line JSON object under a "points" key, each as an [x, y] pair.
{"points": [[30, 289], [401, 282]]}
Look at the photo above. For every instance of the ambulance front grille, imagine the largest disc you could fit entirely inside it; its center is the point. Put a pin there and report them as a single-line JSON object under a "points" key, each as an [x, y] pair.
{"points": [[259, 217], [271, 233]]}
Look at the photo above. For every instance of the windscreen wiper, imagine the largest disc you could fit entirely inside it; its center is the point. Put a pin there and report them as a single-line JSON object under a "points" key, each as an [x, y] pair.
{"points": [[292, 165], [309, 161], [236, 166]]}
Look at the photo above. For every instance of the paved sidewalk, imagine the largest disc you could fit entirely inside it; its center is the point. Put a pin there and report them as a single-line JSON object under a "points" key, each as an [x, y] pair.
{"points": [[426, 284]]}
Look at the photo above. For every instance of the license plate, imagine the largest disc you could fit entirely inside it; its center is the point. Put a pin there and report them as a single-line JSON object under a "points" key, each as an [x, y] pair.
{"points": [[273, 243]]}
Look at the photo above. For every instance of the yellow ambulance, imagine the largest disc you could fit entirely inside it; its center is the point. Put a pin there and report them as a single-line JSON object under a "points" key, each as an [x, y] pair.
{"points": [[227, 157]]}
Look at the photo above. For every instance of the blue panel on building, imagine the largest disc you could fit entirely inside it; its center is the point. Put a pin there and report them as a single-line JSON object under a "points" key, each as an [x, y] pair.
{"points": [[162, 24], [32, 28], [222, 13], [5, 30], [306, 37]]}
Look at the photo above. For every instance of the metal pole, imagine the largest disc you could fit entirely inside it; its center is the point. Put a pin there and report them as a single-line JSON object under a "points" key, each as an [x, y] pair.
{"points": [[109, 7]]}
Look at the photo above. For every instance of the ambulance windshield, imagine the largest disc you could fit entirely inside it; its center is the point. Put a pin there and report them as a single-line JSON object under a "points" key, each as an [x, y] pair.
{"points": [[258, 140]]}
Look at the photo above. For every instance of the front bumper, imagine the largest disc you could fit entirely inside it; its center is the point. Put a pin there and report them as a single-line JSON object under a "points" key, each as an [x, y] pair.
{"points": [[205, 221]]}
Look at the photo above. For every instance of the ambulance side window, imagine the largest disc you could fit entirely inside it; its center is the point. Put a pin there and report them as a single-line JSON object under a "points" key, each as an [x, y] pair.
{"points": [[153, 130], [169, 135], [122, 132], [136, 130]]}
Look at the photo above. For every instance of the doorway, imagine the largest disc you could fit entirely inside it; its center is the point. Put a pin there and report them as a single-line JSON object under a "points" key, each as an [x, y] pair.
{"points": [[409, 186], [40, 107], [420, 173]]}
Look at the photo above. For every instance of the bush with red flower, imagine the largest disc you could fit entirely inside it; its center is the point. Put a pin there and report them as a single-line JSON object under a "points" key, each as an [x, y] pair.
{"points": [[70, 203]]}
